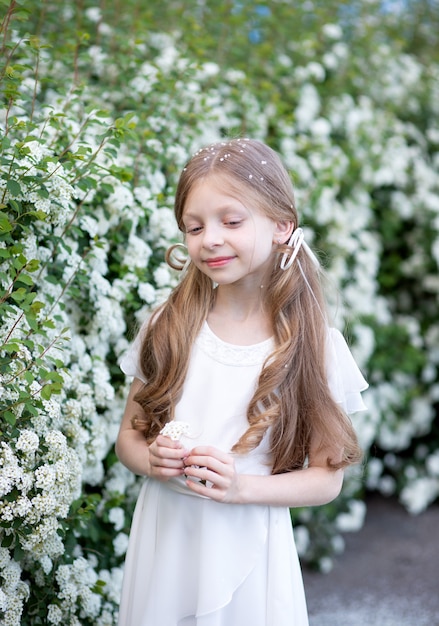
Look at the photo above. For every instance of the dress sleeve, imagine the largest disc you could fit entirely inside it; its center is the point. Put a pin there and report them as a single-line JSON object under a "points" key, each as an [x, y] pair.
{"points": [[344, 377], [130, 361]]}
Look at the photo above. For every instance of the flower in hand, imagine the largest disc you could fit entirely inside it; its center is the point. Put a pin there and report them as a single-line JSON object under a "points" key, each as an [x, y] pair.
{"points": [[175, 430]]}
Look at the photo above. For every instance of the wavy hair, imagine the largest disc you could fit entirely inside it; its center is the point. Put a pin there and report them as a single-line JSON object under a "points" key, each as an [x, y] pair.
{"points": [[292, 397]]}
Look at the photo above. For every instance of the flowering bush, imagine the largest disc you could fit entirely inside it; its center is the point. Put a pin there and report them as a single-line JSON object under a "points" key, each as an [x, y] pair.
{"points": [[93, 139], [86, 195]]}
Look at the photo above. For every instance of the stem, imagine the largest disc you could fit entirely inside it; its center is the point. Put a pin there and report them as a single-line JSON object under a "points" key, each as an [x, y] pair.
{"points": [[27, 368], [69, 282], [79, 13], [10, 288], [92, 158], [5, 24], [34, 95], [17, 321], [8, 175]]}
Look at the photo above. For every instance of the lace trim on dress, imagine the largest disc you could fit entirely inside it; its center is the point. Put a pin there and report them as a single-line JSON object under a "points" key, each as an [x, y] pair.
{"points": [[230, 354]]}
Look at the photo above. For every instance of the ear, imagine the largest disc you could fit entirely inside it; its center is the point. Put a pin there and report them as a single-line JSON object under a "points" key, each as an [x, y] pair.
{"points": [[283, 231]]}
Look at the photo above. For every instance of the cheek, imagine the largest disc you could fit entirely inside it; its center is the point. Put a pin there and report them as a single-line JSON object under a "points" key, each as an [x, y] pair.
{"points": [[192, 247], [264, 244]]}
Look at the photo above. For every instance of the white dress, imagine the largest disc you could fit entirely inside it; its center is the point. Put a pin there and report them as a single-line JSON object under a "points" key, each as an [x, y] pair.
{"points": [[195, 562]]}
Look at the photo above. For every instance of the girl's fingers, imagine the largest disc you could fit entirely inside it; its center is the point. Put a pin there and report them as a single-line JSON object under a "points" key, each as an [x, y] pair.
{"points": [[210, 451], [210, 469], [214, 459], [163, 441], [165, 448]]}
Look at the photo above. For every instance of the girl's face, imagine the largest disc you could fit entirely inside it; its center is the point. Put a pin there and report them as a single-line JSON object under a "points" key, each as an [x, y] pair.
{"points": [[227, 241]]}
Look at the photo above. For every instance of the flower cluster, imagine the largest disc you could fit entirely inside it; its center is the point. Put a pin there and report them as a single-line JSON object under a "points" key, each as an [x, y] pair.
{"points": [[175, 430]]}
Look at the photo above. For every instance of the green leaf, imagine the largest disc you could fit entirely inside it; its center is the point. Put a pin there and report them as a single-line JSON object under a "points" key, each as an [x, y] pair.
{"points": [[7, 541], [49, 390], [42, 192], [99, 587], [33, 265], [26, 280], [18, 553], [5, 224], [10, 418], [19, 294], [13, 187], [11, 347], [40, 215], [4, 253], [54, 376]]}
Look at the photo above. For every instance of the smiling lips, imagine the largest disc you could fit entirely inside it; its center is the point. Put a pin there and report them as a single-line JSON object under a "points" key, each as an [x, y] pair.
{"points": [[219, 261]]}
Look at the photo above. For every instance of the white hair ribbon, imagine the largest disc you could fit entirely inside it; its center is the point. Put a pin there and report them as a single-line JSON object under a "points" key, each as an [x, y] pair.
{"points": [[295, 242]]}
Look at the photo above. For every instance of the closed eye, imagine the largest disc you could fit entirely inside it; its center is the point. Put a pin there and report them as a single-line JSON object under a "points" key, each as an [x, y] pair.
{"points": [[194, 230]]}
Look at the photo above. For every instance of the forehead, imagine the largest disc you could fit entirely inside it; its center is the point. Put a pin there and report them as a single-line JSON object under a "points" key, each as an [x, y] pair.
{"points": [[213, 189]]}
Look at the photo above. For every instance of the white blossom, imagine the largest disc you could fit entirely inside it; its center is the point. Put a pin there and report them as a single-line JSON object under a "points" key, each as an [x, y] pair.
{"points": [[147, 292], [27, 442], [332, 31], [419, 493], [175, 430], [432, 464], [117, 517], [302, 539], [120, 544], [353, 520], [162, 276], [54, 614]]}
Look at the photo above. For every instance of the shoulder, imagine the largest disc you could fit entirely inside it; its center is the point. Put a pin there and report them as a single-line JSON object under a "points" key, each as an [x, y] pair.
{"points": [[345, 379]]}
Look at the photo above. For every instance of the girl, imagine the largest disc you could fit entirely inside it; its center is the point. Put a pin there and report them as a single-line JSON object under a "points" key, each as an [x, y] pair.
{"points": [[241, 362]]}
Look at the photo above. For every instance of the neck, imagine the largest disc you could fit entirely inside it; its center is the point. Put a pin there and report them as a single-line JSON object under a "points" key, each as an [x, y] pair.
{"points": [[239, 316], [239, 302]]}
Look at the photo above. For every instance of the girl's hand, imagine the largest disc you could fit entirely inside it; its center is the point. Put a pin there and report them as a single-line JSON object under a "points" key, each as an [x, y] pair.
{"points": [[166, 458], [215, 474]]}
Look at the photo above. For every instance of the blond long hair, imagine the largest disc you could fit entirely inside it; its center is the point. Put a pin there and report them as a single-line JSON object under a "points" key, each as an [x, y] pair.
{"points": [[292, 397]]}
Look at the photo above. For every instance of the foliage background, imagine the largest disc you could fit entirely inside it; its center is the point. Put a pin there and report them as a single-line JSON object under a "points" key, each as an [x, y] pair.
{"points": [[101, 104]]}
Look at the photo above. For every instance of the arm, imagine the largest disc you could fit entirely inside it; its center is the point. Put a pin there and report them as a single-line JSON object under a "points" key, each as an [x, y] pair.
{"points": [[315, 485], [312, 486], [162, 459]]}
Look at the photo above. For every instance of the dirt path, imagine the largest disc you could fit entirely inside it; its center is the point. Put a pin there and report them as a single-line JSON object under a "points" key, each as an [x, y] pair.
{"points": [[387, 576]]}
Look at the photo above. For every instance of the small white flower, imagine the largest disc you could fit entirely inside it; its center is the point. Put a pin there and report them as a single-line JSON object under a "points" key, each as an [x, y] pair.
{"points": [[120, 544], [332, 31], [418, 494], [175, 430], [302, 540], [147, 292], [3, 601], [27, 442], [54, 614], [45, 477], [432, 463], [352, 520], [326, 564], [46, 564], [94, 14], [117, 517], [162, 276], [5, 557]]}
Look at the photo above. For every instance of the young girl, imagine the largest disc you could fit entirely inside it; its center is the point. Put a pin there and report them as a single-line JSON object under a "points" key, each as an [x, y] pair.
{"points": [[238, 408]]}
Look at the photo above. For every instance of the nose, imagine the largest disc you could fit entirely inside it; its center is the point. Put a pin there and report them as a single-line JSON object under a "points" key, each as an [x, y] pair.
{"points": [[212, 237]]}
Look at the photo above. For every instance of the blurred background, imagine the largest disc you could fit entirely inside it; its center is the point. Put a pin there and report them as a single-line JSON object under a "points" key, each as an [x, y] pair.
{"points": [[101, 105]]}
